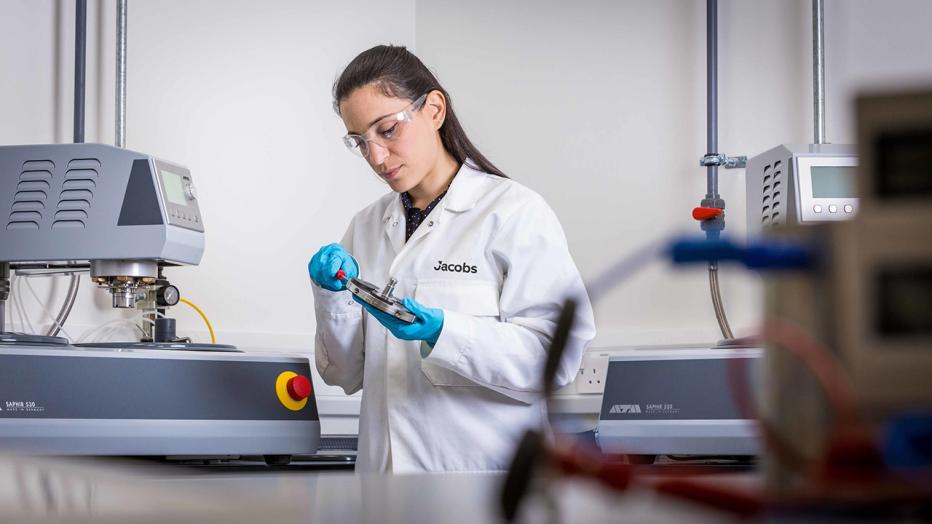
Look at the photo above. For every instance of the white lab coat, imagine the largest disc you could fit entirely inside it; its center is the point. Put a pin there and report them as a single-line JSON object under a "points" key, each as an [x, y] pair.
{"points": [[466, 404]]}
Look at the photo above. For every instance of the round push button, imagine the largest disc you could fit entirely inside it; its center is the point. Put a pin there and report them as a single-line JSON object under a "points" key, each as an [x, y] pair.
{"points": [[817, 208], [290, 391], [849, 208], [833, 208], [299, 387]]}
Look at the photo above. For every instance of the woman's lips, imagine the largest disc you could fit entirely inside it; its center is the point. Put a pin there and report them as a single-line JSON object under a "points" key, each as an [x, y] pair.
{"points": [[388, 175]]}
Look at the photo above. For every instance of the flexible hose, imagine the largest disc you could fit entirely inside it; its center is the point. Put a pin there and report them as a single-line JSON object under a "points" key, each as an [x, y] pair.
{"points": [[717, 302], [65, 310], [213, 339]]}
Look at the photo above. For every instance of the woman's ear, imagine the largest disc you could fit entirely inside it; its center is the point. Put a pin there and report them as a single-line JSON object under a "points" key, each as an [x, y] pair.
{"points": [[436, 105]]}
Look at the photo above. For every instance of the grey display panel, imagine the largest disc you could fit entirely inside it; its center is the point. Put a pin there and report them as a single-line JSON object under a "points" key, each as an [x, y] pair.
{"points": [[833, 181], [174, 187], [179, 197]]}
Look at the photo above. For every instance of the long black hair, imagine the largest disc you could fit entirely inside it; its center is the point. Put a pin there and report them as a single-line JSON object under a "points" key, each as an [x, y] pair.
{"points": [[398, 73]]}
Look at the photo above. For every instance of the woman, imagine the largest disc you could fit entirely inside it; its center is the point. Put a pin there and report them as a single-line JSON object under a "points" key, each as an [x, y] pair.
{"points": [[485, 261]]}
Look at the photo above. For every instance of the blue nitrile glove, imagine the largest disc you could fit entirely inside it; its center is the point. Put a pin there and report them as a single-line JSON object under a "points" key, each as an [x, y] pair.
{"points": [[325, 264], [426, 327]]}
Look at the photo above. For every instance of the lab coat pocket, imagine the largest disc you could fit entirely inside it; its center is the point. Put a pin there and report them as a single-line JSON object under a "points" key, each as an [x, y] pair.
{"points": [[475, 298]]}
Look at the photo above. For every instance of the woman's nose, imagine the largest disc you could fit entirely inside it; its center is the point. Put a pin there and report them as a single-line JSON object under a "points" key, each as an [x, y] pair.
{"points": [[377, 153]]}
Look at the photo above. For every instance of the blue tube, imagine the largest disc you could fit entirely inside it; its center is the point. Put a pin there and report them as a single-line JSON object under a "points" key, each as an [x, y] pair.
{"points": [[759, 255]]}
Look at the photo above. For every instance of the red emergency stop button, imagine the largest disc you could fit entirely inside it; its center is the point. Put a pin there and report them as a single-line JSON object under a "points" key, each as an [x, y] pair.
{"points": [[293, 390], [299, 387]]}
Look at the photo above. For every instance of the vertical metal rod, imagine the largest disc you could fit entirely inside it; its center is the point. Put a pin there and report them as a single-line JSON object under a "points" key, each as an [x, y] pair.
{"points": [[120, 113], [711, 49], [818, 70], [80, 67]]}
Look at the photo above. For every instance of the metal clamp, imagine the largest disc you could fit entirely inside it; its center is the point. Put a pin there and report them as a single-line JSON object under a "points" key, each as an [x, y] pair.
{"points": [[728, 162]]}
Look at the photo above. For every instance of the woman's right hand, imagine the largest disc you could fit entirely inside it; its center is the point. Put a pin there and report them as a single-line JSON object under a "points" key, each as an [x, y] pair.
{"points": [[325, 264]]}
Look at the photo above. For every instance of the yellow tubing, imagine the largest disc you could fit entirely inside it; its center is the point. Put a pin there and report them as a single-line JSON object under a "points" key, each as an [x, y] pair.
{"points": [[213, 339]]}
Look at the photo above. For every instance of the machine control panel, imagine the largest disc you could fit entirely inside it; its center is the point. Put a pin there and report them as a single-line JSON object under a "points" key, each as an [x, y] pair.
{"points": [[827, 187], [179, 195], [802, 184]]}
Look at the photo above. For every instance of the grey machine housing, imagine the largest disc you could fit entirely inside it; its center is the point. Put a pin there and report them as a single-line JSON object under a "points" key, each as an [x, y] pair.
{"points": [[117, 401], [676, 402], [779, 185], [81, 202]]}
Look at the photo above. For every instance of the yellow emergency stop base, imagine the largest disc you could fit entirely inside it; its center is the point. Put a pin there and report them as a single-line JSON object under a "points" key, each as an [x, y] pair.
{"points": [[281, 389]]}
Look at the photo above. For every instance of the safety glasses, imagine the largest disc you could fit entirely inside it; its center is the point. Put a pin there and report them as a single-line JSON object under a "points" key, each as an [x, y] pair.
{"points": [[385, 130]]}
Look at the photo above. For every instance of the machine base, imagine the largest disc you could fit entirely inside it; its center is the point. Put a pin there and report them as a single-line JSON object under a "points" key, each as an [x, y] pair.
{"points": [[147, 402]]}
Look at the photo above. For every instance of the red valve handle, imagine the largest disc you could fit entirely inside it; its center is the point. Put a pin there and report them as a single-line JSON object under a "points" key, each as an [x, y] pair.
{"points": [[706, 213]]}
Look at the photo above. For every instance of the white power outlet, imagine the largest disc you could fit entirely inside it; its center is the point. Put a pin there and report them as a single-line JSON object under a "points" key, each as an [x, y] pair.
{"points": [[592, 373]]}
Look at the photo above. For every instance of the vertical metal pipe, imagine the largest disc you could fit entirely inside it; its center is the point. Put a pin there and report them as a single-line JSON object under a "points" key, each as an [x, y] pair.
{"points": [[80, 67], [120, 113], [818, 70], [711, 49]]}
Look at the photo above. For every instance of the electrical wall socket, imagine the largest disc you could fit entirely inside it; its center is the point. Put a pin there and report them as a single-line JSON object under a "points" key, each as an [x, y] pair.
{"points": [[592, 372]]}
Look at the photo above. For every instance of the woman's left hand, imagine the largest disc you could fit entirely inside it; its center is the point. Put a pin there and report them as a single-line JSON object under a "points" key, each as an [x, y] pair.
{"points": [[426, 326]]}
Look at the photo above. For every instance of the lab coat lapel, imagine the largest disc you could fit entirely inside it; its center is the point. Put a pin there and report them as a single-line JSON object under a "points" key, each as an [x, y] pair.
{"points": [[429, 224], [462, 195], [394, 226]]}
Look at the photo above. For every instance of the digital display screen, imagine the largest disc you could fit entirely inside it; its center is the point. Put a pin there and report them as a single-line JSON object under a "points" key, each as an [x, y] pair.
{"points": [[174, 187], [832, 181], [904, 305], [904, 164]]}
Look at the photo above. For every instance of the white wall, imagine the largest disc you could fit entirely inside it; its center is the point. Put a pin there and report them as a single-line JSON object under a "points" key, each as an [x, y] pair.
{"points": [[600, 106], [873, 46]]}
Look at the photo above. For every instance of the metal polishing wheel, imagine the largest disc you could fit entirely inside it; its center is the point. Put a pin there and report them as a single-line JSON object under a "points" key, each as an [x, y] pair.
{"points": [[381, 300]]}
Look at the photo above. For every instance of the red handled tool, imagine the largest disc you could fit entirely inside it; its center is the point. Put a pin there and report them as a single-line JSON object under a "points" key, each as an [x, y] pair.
{"points": [[341, 275]]}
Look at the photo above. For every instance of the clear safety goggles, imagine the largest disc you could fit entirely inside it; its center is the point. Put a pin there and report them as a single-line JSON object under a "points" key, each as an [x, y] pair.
{"points": [[386, 130]]}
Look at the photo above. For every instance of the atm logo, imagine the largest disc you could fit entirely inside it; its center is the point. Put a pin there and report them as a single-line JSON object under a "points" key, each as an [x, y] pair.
{"points": [[625, 408]]}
